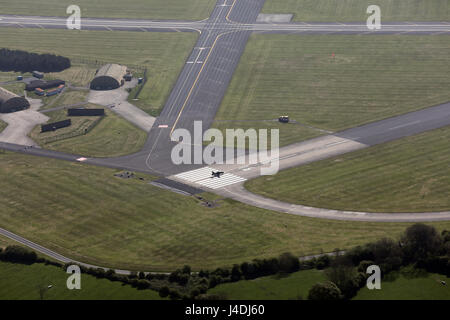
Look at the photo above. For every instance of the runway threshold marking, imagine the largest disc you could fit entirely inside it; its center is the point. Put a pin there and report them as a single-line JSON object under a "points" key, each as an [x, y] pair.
{"points": [[203, 178]]}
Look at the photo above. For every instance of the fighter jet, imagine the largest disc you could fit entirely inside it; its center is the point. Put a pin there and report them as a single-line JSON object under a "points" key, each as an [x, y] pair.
{"points": [[217, 174]]}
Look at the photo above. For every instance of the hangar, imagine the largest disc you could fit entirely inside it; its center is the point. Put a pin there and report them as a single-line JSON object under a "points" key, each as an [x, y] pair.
{"points": [[11, 102], [109, 77]]}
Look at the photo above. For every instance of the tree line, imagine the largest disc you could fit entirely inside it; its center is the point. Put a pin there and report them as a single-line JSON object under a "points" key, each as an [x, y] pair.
{"points": [[22, 61], [420, 247]]}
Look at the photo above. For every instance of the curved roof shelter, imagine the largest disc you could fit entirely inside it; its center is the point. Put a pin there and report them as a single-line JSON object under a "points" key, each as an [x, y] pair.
{"points": [[109, 77], [11, 102]]}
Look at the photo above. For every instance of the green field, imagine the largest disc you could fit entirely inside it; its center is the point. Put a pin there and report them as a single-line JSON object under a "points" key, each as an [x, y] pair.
{"points": [[70, 97], [16, 88], [163, 54], [67, 97], [4, 242], [79, 74], [355, 10], [12, 76], [86, 213], [111, 136], [400, 286], [370, 78], [22, 282], [407, 175], [136, 9], [278, 287]]}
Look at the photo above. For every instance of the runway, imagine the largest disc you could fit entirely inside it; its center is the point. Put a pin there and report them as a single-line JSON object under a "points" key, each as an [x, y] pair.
{"points": [[234, 20]]}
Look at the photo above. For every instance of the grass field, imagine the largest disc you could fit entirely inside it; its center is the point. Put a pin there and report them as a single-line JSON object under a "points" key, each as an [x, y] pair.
{"points": [[401, 286], [79, 74], [70, 97], [67, 97], [22, 282], [16, 88], [4, 242], [407, 175], [136, 9], [370, 78], [111, 136], [355, 10], [163, 54], [86, 213], [279, 287], [12, 76]]}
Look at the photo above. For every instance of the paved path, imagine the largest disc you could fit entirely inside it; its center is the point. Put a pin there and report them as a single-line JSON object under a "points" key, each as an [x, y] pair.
{"points": [[21, 123], [116, 101], [234, 20]]}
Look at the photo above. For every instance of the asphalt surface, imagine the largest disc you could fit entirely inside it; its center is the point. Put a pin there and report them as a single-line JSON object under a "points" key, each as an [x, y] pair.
{"points": [[235, 21]]}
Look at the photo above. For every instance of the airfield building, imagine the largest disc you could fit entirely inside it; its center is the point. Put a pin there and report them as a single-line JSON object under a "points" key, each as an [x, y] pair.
{"points": [[11, 102], [109, 77], [38, 74], [44, 85]]}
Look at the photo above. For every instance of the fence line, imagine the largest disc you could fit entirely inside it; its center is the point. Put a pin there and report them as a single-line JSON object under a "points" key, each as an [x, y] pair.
{"points": [[138, 92]]}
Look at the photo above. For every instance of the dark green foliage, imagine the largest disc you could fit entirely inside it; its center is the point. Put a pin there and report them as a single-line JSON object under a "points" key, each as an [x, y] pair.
{"points": [[363, 265], [142, 284], [164, 292], [344, 274], [325, 291], [18, 254], [288, 263], [179, 277], [21, 61], [435, 264], [420, 241], [236, 273], [323, 262], [186, 270]]}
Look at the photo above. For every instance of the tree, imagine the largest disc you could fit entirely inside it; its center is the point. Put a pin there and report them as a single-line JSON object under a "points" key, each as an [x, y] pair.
{"points": [[22, 61], [288, 263], [420, 241], [18, 254], [164, 292], [186, 270], [325, 291], [143, 284], [344, 275], [323, 262], [236, 273]]}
